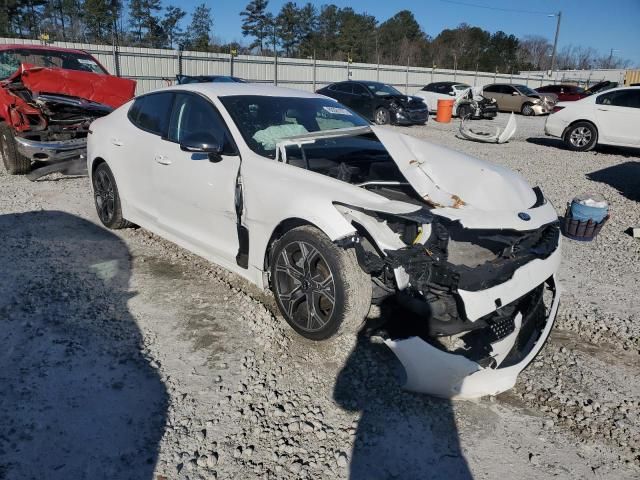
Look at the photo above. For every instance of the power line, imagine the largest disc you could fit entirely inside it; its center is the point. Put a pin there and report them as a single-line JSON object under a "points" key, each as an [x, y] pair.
{"points": [[466, 4]]}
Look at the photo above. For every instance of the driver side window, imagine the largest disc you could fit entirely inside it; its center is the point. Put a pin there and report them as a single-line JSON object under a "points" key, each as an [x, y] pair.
{"points": [[195, 119]]}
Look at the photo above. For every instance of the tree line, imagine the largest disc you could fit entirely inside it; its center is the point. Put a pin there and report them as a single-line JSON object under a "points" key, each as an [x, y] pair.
{"points": [[328, 32]]}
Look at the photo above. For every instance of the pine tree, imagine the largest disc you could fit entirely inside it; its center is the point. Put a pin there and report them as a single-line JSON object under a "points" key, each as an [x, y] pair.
{"points": [[171, 25], [146, 28], [256, 23], [287, 27], [100, 19], [200, 28]]}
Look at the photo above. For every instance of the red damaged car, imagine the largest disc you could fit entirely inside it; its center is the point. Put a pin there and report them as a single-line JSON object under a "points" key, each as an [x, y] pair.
{"points": [[48, 98]]}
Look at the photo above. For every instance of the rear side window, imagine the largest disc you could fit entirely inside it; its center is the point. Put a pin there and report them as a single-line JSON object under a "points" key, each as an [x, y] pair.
{"points": [[152, 112], [492, 88], [620, 98], [343, 87]]}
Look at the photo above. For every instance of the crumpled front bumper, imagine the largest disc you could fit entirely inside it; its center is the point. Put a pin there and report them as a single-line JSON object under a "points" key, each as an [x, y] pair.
{"points": [[46, 151], [451, 375]]}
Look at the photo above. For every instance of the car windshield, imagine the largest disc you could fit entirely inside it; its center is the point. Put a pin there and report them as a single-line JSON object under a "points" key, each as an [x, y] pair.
{"points": [[264, 121], [381, 90], [461, 86], [523, 89], [10, 60]]}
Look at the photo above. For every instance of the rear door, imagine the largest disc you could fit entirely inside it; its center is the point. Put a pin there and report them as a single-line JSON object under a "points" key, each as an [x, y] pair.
{"points": [[195, 192], [135, 148], [511, 98], [618, 115]]}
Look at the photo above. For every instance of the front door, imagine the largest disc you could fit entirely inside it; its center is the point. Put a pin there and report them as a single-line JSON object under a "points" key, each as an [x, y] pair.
{"points": [[362, 101], [196, 193]]}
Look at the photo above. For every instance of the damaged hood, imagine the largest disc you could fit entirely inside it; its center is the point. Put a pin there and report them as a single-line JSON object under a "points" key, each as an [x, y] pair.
{"points": [[446, 178], [103, 89]]}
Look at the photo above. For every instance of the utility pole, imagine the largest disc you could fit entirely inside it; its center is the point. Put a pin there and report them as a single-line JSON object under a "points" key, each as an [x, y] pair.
{"points": [[555, 42], [611, 57]]}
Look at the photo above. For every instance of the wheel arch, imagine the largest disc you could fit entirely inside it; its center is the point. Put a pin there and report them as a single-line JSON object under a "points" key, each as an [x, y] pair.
{"points": [[278, 232], [95, 163], [290, 223]]}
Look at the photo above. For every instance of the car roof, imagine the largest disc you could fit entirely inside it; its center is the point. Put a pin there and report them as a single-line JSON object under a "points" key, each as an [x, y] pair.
{"points": [[228, 89], [23, 46]]}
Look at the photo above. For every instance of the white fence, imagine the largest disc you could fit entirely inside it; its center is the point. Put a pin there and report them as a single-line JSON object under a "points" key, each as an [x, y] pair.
{"points": [[587, 77], [154, 68]]}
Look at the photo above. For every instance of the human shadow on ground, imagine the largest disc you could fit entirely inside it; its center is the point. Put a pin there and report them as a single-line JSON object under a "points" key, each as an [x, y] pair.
{"points": [[391, 440], [624, 177], [79, 400]]}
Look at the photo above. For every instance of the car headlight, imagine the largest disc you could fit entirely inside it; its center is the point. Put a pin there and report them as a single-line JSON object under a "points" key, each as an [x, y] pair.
{"points": [[536, 101]]}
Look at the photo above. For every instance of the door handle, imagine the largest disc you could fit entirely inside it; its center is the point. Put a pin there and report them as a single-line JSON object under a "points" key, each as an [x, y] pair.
{"points": [[603, 109], [162, 160], [116, 142]]}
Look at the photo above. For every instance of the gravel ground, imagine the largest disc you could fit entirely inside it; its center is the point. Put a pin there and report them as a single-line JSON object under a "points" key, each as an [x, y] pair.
{"points": [[124, 356]]}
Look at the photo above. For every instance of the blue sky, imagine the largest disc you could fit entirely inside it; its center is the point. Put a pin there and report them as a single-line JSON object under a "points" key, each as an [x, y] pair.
{"points": [[600, 24]]}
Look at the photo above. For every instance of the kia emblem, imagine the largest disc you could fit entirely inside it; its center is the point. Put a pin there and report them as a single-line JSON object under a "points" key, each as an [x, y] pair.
{"points": [[524, 216]]}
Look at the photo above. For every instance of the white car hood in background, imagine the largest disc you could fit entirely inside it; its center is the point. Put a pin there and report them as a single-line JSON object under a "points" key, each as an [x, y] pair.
{"points": [[446, 178]]}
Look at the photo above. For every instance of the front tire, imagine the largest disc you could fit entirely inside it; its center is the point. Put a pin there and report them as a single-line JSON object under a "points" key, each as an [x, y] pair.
{"points": [[382, 116], [581, 136], [107, 199], [14, 162], [527, 110], [463, 112], [319, 287]]}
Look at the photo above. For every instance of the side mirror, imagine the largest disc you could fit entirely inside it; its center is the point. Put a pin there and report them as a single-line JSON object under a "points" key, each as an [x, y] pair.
{"points": [[515, 94], [208, 146], [452, 93]]}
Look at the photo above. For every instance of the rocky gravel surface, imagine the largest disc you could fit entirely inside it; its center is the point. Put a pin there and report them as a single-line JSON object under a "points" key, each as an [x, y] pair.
{"points": [[124, 356]]}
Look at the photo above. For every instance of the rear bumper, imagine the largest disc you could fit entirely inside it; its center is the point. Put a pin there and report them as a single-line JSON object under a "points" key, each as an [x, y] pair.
{"points": [[554, 127], [53, 150]]}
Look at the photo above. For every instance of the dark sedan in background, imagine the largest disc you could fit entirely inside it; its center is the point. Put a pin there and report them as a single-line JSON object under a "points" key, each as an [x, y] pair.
{"points": [[185, 79], [378, 102]]}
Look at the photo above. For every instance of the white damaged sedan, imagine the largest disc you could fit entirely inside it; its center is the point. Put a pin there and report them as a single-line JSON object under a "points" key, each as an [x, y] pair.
{"points": [[297, 193]]}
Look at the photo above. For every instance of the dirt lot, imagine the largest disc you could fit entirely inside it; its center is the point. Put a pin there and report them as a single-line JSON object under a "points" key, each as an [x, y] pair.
{"points": [[123, 356]]}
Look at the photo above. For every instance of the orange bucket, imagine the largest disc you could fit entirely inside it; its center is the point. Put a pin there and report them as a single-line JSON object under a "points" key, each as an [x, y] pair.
{"points": [[445, 107]]}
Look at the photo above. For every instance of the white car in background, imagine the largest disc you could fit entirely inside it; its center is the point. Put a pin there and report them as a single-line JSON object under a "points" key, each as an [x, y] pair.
{"points": [[296, 193], [441, 90], [611, 118]]}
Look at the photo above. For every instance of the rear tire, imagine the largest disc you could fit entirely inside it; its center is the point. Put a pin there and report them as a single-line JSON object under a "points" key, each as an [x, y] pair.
{"points": [[14, 162], [581, 136], [319, 287], [107, 199]]}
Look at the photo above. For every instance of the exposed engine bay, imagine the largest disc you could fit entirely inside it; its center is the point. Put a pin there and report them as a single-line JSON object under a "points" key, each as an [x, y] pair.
{"points": [[49, 111], [466, 286]]}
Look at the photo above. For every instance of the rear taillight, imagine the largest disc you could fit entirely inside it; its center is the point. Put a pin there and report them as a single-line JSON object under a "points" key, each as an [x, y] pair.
{"points": [[556, 109]]}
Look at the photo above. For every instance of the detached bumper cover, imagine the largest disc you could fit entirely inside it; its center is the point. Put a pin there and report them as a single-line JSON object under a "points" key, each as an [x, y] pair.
{"points": [[53, 150], [451, 375]]}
